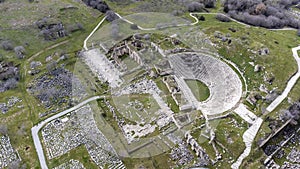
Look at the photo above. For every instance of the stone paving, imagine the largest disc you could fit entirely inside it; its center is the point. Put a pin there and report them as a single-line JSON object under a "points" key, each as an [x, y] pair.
{"points": [[245, 114], [102, 67]]}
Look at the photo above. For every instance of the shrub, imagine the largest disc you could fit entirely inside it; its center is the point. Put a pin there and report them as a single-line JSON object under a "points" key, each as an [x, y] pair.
{"points": [[134, 27], [201, 18]]}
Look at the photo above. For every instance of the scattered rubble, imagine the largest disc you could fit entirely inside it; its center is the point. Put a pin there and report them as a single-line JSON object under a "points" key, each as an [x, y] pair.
{"points": [[287, 165], [181, 154], [294, 156], [72, 164], [12, 101], [7, 154], [56, 87], [9, 76], [79, 128]]}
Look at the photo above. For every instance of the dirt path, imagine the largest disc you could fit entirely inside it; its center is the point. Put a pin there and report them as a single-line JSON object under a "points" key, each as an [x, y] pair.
{"points": [[290, 83]]}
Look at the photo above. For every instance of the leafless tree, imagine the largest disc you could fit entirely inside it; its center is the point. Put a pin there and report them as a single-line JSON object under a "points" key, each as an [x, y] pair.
{"points": [[222, 18], [264, 13], [115, 30], [7, 45], [3, 129], [20, 51], [10, 84], [195, 7], [209, 3], [50, 66], [111, 16]]}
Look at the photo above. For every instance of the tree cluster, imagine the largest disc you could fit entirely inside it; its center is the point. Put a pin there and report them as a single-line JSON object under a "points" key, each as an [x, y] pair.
{"points": [[55, 87], [199, 6], [195, 7], [222, 18], [111, 16], [9, 76], [51, 31], [97, 4], [292, 113], [267, 13], [209, 3]]}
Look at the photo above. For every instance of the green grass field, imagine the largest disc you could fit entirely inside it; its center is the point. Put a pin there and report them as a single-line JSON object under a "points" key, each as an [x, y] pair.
{"points": [[80, 154], [199, 89], [246, 39], [157, 162]]}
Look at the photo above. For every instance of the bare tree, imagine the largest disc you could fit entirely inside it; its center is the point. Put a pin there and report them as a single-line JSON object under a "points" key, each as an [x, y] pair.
{"points": [[7, 45], [195, 7], [222, 18], [177, 12], [10, 84], [264, 13], [111, 16], [260, 9], [134, 27], [20, 52], [3, 129], [97, 4], [51, 66], [115, 30], [209, 3]]}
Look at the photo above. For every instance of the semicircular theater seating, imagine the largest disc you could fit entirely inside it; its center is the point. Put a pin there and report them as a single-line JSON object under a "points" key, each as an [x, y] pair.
{"points": [[224, 84]]}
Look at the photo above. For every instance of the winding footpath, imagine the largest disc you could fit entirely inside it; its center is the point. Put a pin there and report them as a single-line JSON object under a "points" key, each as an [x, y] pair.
{"points": [[94, 30], [35, 130], [192, 14]]}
